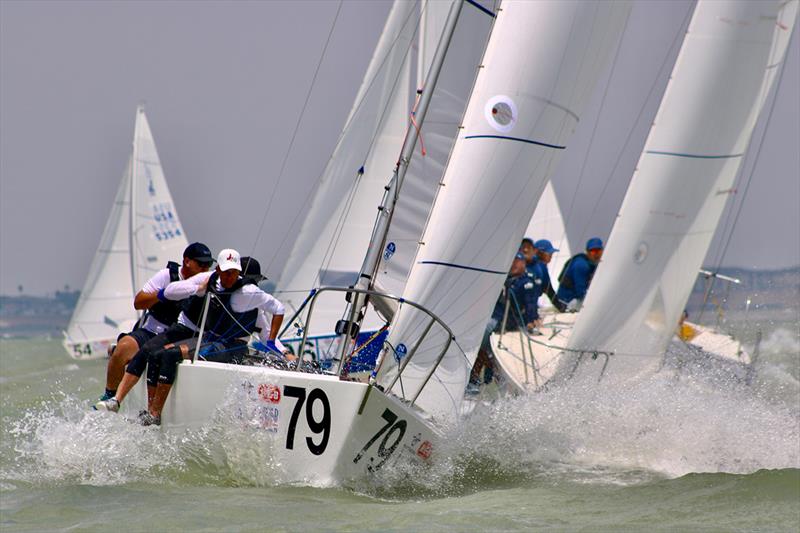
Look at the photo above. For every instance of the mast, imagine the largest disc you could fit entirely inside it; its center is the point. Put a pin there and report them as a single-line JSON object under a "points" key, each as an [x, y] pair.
{"points": [[132, 203], [370, 265]]}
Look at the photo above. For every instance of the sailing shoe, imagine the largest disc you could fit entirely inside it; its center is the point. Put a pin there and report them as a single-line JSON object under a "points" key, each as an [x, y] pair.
{"points": [[147, 419], [107, 405], [473, 389]]}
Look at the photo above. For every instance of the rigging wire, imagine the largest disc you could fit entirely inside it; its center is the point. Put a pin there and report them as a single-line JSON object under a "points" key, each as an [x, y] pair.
{"points": [[738, 210], [353, 114], [596, 122], [296, 129], [330, 250], [682, 29]]}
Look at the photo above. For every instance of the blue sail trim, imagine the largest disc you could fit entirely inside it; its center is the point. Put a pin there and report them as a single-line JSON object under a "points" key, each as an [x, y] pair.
{"points": [[529, 141], [465, 267], [477, 5], [694, 156]]}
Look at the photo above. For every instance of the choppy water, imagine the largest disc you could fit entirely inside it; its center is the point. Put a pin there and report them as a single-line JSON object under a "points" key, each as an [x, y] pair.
{"points": [[693, 451]]}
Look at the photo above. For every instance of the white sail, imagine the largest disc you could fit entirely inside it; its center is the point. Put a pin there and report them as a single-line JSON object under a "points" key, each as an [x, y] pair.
{"points": [[685, 175], [539, 69], [330, 247], [157, 235], [547, 222], [438, 133], [126, 258]]}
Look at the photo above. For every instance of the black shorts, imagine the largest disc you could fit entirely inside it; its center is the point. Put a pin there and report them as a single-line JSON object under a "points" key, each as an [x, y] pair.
{"points": [[141, 336]]}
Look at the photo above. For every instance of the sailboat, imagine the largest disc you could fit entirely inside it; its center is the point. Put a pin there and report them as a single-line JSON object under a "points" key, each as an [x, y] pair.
{"points": [[721, 79], [142, 233], [521, 112]]}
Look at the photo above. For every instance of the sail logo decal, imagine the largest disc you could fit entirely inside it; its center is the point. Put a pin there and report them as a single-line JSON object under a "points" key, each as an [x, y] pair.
{"points": [[166, 223], [501, 113], [389, 252], [400, 352], [150, 187]]}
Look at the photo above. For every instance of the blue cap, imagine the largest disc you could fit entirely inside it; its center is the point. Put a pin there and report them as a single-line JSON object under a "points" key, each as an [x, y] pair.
{"points": [[543, 245], [199, 252], [595, 243], [518, 255]]}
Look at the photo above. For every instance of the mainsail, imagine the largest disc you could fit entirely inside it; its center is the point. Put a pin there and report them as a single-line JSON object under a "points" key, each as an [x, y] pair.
{"points": [[142, 233], [539, 69], [685, 175], [337, 230]]}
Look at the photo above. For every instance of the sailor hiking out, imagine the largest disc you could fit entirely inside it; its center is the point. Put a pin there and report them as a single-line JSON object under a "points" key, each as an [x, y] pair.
{"points": [[235, 305], [577, 274], [159, 313]]}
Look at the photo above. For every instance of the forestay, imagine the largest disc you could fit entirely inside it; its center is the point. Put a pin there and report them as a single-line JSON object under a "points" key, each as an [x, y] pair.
{"points": [[539, 68], [139, 238], [685, 175]]}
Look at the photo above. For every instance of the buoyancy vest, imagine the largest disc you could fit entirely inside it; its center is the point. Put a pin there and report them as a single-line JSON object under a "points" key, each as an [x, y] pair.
{"points": [[222, 322], [566, 281], [167, 312]]}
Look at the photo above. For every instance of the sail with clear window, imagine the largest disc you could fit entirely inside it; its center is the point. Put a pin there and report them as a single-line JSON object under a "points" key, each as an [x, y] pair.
{"points": [[540, 67], [142, 234], [685, 175]]}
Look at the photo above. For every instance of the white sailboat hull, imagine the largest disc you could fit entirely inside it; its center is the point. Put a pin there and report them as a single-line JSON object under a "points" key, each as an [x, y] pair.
{"points": [[320, 430], [524, 365]]}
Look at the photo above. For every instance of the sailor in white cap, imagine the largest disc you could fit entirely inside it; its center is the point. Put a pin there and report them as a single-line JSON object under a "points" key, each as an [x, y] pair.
{"points": [[232, 314]]}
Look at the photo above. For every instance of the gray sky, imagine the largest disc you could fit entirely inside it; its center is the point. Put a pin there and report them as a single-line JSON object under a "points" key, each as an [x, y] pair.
{"points": [[224, 84]]}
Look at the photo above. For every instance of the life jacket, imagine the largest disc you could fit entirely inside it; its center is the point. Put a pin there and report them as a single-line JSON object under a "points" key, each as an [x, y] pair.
{"points": [[167, 312], [222, 322], [566, 281]]}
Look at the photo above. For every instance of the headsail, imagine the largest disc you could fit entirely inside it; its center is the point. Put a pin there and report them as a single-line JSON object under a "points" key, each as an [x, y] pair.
{"points": [[346, 201], [539, 69], [547, 222], [685, 175], [127, 257]]}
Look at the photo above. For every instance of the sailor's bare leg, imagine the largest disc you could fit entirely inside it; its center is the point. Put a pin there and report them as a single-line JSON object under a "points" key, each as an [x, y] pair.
{"points": [[128, 382], [122, 355]]}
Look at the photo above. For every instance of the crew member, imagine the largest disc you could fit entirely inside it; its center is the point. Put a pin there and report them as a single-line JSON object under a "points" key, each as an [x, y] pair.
{"points": [[540, 274], [235, 304], [519, 294], [577, 274], [159, 315]]}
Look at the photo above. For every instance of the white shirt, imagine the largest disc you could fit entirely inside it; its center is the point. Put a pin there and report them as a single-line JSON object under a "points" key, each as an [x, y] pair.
{"points": [[159, 281], [244, 299]]}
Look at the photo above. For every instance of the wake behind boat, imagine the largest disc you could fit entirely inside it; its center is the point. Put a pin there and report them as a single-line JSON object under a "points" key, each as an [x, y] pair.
{"points": [[143, 232]]}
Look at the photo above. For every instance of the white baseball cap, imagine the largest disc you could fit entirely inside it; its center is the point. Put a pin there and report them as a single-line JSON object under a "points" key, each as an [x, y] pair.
{"points": [[228, 259]]}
